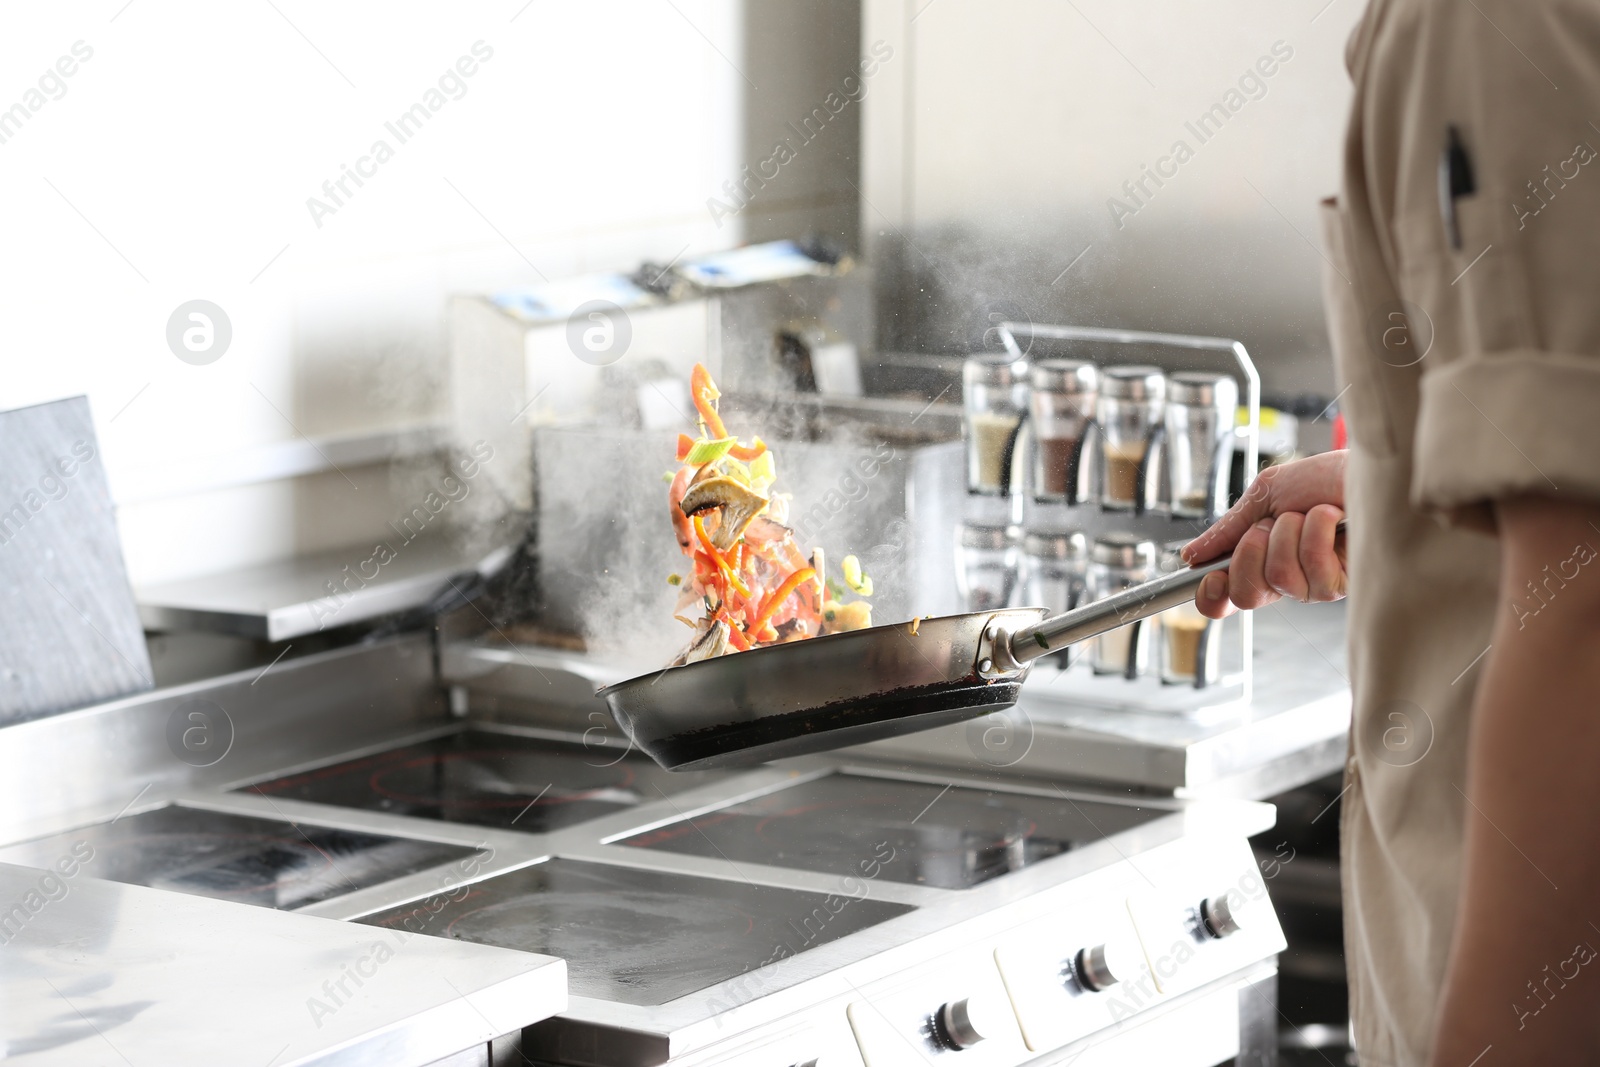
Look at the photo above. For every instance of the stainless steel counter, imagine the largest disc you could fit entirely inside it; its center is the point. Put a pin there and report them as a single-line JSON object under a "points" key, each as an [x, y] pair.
{"points": [[309, 594], [119, 958], [95, 972]]}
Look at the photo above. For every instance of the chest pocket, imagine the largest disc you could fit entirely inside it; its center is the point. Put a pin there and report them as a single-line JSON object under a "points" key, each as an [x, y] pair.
{"points": [[1476, 294], [1378, 341]]}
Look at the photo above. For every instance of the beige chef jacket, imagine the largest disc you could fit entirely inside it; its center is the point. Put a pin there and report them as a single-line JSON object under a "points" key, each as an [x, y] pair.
{"points": [[1471, 373]]}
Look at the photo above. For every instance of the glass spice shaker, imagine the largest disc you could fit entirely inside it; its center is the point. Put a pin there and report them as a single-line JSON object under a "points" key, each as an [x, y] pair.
{"points": [[1199, 419], [1128, 409], [1116, 562], [1055, 567], [986, 565], [1061, 404], [1191, 645], [995, 392]]}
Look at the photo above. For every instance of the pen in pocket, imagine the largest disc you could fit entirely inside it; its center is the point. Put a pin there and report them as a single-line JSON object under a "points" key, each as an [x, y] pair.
{"points": [[1455, 181]]}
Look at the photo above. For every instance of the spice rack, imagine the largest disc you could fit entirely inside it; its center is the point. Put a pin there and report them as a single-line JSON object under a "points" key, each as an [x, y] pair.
{"points": [[1091, 518]]}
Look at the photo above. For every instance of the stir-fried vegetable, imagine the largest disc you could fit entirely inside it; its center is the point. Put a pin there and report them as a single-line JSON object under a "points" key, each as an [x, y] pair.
{"points": [[753, 584], [854, 577]]}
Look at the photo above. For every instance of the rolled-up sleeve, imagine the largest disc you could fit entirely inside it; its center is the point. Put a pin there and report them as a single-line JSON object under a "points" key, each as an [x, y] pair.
{"points": [[1508, 400]]}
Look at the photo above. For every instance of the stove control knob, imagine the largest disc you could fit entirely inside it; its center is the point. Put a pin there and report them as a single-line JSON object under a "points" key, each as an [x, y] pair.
{"points": [[1095, 970], [1219, 916], [957, 1026]]}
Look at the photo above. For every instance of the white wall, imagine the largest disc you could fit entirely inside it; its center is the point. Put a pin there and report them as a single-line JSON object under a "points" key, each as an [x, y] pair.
{"points": [[178, 163], [999, 134]]}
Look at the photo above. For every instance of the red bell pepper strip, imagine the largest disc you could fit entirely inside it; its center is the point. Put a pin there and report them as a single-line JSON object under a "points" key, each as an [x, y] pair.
{"points": [[680, 521], [685, 444], [782, 593], [736, 636], [744, 453], [704, 391]]}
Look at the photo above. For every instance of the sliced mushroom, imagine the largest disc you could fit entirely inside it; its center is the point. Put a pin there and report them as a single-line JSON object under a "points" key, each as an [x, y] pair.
{"points": [[704, 472], [711, 642], [740, 505]]}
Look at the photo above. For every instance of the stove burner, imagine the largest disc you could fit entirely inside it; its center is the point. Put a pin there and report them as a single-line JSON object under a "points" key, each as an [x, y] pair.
{"points": [[469, 764], [949, 837], [487, 779], [643, 937], [242, 858]]}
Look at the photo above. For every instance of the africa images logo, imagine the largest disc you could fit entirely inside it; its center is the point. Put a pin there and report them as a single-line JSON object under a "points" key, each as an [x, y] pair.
{"points": [[199, 332], [1400, 333]]}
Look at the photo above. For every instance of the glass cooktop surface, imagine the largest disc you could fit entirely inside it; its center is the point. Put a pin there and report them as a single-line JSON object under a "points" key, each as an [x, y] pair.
{"points": [[919, 833], [642, 937], [489, 779], [267, 862]]}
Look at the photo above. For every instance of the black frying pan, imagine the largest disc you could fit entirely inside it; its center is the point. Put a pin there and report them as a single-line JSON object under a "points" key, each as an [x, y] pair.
{"points": [[865, 685]]}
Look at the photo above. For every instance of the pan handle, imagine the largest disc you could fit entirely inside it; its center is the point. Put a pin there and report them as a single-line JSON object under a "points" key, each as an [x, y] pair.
{"points": [[1028, 643]]}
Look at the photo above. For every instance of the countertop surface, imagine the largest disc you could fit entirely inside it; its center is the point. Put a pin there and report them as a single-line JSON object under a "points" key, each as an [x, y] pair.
{"points": [[95, 972]]}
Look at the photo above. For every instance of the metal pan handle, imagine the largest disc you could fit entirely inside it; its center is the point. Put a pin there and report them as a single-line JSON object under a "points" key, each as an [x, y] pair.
{"points": [[1028, 643]]}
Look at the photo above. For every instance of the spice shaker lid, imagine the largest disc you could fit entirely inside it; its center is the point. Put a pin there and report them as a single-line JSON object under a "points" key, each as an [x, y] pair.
{"points": [[1133, 383], [983, 535], [997, 369], [1203, 389], [1128, 551], [1059, 545], [1064, 376]]}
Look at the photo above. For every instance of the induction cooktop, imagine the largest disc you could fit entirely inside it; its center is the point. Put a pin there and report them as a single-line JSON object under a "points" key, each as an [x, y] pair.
{"points": [[919, 833], [489, 779], [639, 936], [266, 862]]}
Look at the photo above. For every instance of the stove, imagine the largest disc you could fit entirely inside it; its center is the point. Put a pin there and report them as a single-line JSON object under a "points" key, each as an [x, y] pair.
{"points": [[919, 833], [845, 910], [638, 936], [267, 862], [484, 778]]}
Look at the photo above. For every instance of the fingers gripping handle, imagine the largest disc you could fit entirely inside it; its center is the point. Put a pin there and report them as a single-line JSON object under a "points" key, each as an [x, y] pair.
{"points": [[1015, 650]]}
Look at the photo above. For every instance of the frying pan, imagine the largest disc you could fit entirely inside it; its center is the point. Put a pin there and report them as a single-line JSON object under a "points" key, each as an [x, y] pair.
{"points": [[863, 685]]}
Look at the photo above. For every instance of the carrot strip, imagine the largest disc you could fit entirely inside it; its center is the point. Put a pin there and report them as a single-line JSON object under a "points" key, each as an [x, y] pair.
{"points": [[722, 564], [685, 444], [736, 637], [709, 577], [782, 593]]}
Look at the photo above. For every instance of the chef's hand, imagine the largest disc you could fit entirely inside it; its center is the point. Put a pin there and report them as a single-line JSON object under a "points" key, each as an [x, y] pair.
{"points": [[1282, 534]]}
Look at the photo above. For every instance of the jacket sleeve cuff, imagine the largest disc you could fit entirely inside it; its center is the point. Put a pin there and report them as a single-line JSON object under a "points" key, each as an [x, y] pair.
{"points": [[1513, 423]]}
